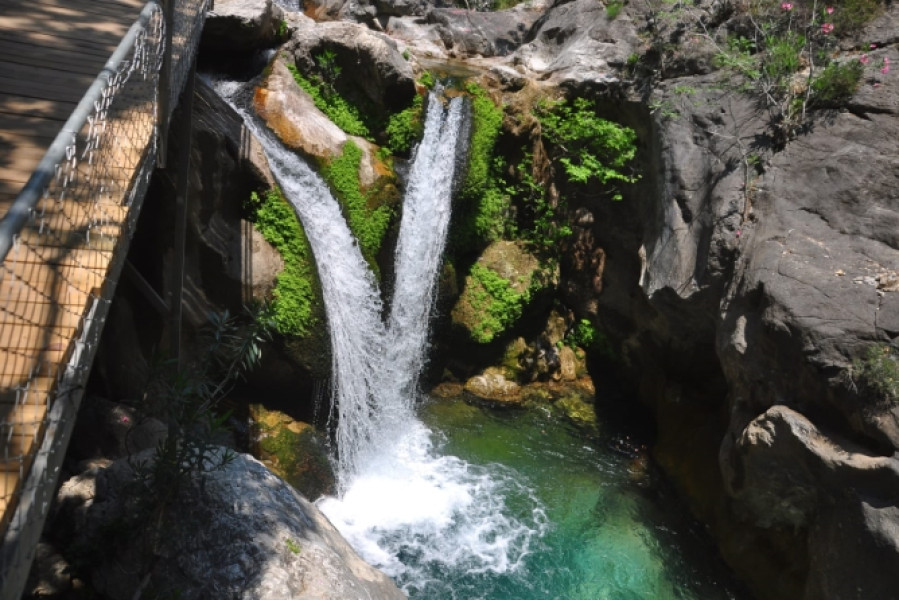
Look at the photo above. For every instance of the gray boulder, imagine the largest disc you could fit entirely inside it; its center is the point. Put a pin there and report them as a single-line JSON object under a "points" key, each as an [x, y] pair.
{"points": [[467, 33], [241, 533], [372, 68], [240, 27]]}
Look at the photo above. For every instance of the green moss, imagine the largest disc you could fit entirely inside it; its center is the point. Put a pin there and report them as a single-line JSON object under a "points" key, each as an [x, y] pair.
{"points": [[496, 303], [367, 218], [342, 112], [405, 127], [483, 200], [297, 290]]}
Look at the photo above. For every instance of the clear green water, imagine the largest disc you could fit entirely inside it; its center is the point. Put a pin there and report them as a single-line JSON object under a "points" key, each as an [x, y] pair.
{"points": [[607, 532]]}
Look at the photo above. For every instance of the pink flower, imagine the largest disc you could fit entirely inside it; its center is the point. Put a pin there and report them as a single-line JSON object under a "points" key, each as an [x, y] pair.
{"points": [[124, 420], [873, 46], [886, 65], [786, 6], [829, 10], [864, 59], [826, 28]]}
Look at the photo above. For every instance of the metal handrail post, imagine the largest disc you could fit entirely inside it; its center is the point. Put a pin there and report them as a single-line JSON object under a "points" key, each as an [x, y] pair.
{"points": [[165, 85]]}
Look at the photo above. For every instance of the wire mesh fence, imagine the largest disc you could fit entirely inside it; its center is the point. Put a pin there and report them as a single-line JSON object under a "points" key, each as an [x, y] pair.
{"points": [[61, 243]]}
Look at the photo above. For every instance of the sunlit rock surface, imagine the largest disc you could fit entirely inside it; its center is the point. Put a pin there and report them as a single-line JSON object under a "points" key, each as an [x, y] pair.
{"points": [[241, 533]]}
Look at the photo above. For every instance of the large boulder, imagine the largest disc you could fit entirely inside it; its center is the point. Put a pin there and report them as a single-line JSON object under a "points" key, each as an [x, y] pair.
{"points": [[577, 43], [240, 27], [241, 532], [373, 70], [498, 289], [468, 33]]}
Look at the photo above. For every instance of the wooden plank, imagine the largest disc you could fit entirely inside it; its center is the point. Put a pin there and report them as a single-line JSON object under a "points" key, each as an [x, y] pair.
{"points": [[15, 365], [35, 107], [25, 53]]}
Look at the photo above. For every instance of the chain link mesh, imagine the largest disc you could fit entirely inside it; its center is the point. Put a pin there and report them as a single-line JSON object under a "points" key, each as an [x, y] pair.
{"points": [[57, 280]]}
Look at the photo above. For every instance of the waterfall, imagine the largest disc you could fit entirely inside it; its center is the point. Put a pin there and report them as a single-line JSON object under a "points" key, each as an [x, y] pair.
{"points": [[399, 495], [426, 216]]}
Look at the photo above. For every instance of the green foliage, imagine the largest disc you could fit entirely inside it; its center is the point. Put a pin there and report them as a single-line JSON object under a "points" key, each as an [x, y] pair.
{"points": [[293, 546], [484, 199], [496, 301], [405, 127], [584, 335], [613, 9], [788, 57], [282, 29], [297, 291], [342, 112], [836, 83], [487, 120], [369, 225], [427, 80], [876, 375], [589, 147]]}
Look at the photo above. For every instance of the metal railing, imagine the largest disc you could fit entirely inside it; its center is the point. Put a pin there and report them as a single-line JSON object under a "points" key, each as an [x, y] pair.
{"points": [[62, 245]]}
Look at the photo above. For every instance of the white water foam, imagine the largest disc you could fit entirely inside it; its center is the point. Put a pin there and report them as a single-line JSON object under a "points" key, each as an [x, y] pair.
{"points": [[416, 511]]}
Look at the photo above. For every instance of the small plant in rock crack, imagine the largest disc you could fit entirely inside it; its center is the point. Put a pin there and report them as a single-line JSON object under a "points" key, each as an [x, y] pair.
{"points": [[875, 376]]}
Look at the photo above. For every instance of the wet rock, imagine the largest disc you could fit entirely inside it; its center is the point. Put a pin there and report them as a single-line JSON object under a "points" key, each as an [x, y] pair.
{"points": [[292, 115], [293, 450], [493, 386]]}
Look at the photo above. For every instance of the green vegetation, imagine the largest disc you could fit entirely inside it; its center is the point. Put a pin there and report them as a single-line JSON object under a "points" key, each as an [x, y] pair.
{"points": [[876, 375], [293, 546], [342, 112], [588, 147], [367, 218], [791, 58], [495, 299], [297, 291], [484, 199], [613, 9], [405, 127], [584, 335]]}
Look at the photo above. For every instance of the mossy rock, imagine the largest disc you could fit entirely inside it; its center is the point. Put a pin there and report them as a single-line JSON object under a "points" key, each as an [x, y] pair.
{"points": [[293, 450], [578, 409], [498, 288]]}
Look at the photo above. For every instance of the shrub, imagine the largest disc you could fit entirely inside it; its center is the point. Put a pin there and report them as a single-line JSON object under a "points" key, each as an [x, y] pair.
{"points": [[876, 375], [587, 146], [836, 83]]}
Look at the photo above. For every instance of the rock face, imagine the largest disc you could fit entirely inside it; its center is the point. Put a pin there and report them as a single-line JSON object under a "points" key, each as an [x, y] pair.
{"points": [[244, 533], [374, 70], [240, 27]]}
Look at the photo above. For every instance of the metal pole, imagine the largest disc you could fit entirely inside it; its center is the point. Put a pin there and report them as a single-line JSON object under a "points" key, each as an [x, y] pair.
{"points": [[165, 85]]}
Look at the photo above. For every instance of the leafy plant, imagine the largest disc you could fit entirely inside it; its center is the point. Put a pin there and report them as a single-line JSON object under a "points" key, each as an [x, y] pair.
{"points": [[876, 375], [586, 145], [613, 9], [836, 83]]}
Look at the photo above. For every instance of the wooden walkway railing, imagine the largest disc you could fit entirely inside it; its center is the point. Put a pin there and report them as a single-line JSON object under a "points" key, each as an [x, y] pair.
{"points": [[76, 153]]}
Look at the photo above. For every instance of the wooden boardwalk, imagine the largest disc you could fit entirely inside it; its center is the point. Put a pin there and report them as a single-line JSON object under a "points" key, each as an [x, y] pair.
{"points": [[50, 53]]}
